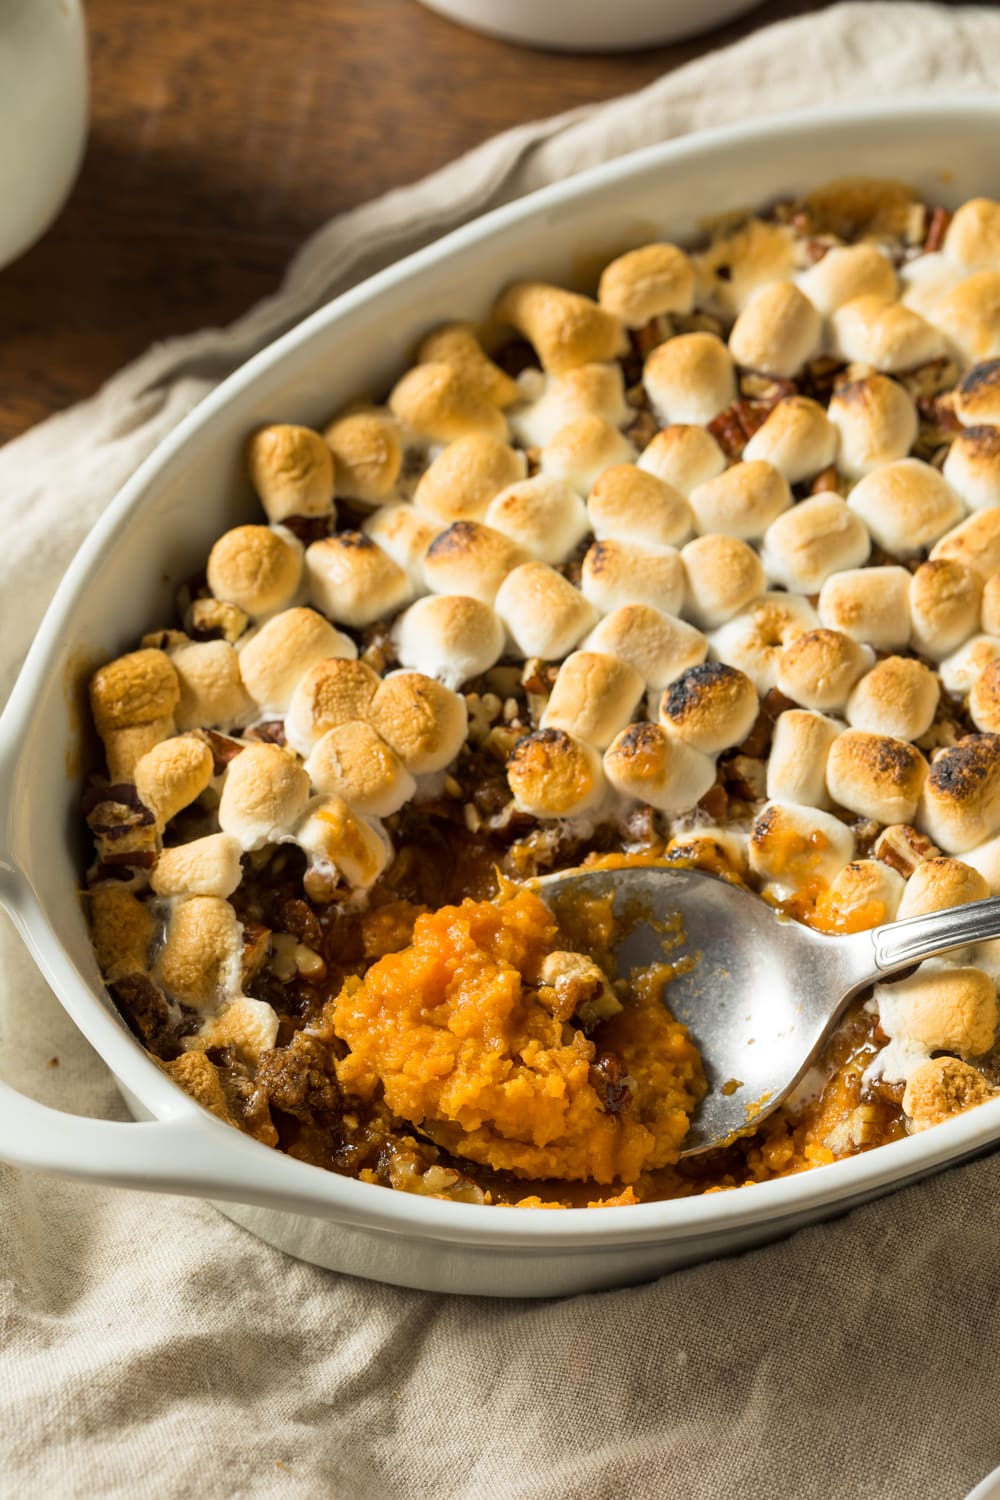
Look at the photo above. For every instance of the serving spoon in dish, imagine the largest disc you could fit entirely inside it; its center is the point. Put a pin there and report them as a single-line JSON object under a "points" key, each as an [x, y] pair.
{"points": [[760, 993]]}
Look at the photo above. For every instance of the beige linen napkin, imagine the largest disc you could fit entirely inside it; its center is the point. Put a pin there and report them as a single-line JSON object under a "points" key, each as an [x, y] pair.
{"points": [[151, 1348]]}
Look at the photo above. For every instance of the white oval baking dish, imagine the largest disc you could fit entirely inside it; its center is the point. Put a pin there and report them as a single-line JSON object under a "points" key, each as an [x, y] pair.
{"points": [[160, 528]]}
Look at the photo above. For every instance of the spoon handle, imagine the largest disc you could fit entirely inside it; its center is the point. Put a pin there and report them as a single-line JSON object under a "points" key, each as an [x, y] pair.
{"points": [[899, 944]]}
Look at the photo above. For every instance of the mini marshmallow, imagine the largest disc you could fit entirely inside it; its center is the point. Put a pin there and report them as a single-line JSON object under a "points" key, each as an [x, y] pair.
{"points": [[249, 1027], [593, 697], [796, 766], [449, 636], [972, 240], [877, 422], [975, 542], [544, 517], [964, 667], [465, 476], [580, 452], [940, 1088], [124, 748], [741, 502], [898, 697], [291, 468], [456, 344], [845, 273], [866, 893], [690, 378], [628, 505], [257, 568], [943, 1006], [927, 279], [754, 639], [794, 847], [405, 534], [212, 690], [733, 266], [367, 454], [657, 768], [172, 775], [797, 438], [969, 317], [984, 700], [122, 929], [332, 692], [355, 762], [133, 690], [977, 395], [204, 867], [647, 283], [906, 506], [886, 335], [944, 607], [937, 884], [544, 614], [277, 655], [263, 793], [991, 605], [659, 646], [333, 836], [470, 558], [777, 331], [683, 456], [710, 707], [200, 958], [354, 581], [436, 404], [421, 719], [870, 605], [972, 467], [722, 577], [614, 574], [960, 807], [591, 390], [820, 667], [565, 329], [985, 860], [812, 541], [875, 776], [554, 775]]}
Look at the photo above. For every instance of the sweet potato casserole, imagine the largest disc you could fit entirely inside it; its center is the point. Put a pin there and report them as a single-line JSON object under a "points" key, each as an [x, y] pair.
{"points": [[704, 568]]}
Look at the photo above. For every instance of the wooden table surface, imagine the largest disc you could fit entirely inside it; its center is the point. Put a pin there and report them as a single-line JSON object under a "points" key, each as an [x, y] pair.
{"points": [[222, 134]]}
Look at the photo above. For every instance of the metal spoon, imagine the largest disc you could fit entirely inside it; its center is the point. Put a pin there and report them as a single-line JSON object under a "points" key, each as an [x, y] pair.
{"points": [[764, 992]]}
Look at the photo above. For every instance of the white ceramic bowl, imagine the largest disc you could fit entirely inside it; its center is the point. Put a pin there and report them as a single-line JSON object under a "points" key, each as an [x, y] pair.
{"points": [[160, 528], [591, 25]]}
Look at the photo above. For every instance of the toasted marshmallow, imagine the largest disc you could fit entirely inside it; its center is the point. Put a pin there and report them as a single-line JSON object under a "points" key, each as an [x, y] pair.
{"points": [[456, 344], [927, 279], [966, 665], [886, 335], [544, 614], [354, 581], [683, 456], [615, 574], [755, 639], [628, 505], [875, 776], [991, 605], [820, 667], [777, 331], [973, 237], [203, 867], [796, 766], [646, 283], [470, 558], [898, 697], [580, 452], [593, 697], [942, 1087], [659, 646], [877, 422], [263, 793], [797, 438], [732, 267], [985, 860], [124, 748], [122, 929], [565, 329], [813, 540], [462, 480], [972, 467], [794, 847], [870, 605], [865, 894], [199, 962], [722, 576], [449, 636], [133, 690], [984, 700], [291, 468], [421, 719], [404, 533], [172, 774], [845, 273], [212, 690], [277, 655], [257, 568], [943, 1006], [544, 517], [249, 1027], [648, 763], [741, 502], [331, 693], [944, 607], [960, 807], [937, 884], [437, 405], [355, 762], [690, 378], [592, 390], [710, 707], [977, 395], [906, 506], [367, 454], [969, 317], [334, 836], [975, 542], [554, 775]]}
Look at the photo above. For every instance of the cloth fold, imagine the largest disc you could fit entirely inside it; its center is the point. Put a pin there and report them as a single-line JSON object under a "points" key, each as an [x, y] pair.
{"points": [[151, 1347]]}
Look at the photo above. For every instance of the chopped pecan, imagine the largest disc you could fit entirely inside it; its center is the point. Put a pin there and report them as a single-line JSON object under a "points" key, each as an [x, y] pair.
{"points": [[614, 1087], [937, 227], [902, 848]]}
